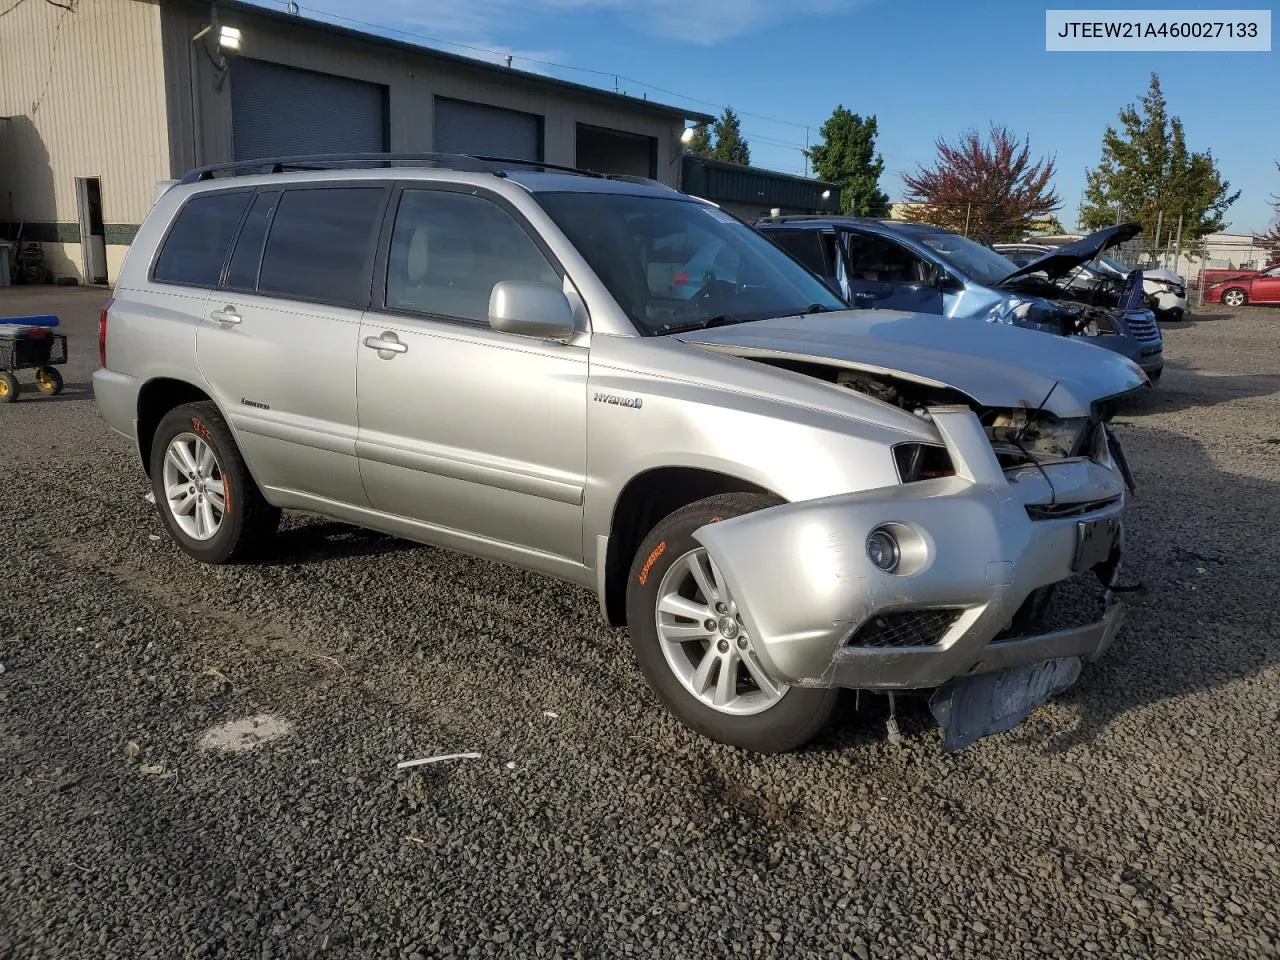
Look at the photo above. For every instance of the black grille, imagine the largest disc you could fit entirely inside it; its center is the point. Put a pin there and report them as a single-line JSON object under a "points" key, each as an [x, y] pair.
{"points": [[908, 628], [1144, 328]]}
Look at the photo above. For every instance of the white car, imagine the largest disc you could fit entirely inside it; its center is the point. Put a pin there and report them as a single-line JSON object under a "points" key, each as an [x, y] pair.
{"points": [[1165, 290]]}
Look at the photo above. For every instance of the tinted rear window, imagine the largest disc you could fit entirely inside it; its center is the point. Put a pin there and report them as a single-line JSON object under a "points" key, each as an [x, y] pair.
{"points": [[242, 274], [321, 243], [194, 250]]}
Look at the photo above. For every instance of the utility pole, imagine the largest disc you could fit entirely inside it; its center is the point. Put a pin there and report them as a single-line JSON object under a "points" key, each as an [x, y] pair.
{"points": [[1117, 214], [806, 151], [1177, 245], [967, 210], [1155, 249]]}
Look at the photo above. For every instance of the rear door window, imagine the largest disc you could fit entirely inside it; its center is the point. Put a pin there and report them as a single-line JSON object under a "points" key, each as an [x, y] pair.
{"points": [[242, 274], [196, 247], [321, 242]]}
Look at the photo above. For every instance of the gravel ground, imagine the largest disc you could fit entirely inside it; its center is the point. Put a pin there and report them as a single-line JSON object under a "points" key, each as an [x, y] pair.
{"points": [[1136, 816]]}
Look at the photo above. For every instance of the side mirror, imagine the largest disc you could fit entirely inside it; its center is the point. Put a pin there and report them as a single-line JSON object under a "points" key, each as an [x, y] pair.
{"points": [[530, 309], [946, 282]]}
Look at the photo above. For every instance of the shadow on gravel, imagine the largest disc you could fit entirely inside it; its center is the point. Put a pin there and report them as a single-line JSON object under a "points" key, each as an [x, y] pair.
{"points": [[1206, 551], [327, 540], [27, 392], [1184, 387]]}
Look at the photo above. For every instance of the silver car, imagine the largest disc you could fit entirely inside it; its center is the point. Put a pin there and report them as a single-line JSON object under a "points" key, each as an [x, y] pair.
{"points": [[615, 384]]}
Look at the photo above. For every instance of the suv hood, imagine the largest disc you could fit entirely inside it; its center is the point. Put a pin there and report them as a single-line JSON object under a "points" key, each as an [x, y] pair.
{"points": [[1058, 263], [996, 366]]}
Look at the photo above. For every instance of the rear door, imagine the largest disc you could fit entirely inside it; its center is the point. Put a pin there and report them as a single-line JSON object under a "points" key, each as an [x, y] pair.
{"points": [[887, 275], [278, 343]]}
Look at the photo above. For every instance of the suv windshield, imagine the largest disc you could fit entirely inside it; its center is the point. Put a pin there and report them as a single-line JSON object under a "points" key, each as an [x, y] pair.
{"points": [[972, 259], [676, 264]]}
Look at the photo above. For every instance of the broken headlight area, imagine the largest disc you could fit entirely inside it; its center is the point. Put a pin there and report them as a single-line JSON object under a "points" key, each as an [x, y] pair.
{"points": [[1025, 436]]}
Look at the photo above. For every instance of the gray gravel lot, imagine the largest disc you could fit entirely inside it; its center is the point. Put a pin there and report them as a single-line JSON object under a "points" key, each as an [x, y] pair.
{"points": [[1137, 816]]}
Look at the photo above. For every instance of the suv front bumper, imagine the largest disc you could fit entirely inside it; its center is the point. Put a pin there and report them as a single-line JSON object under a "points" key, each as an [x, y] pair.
{"points": [[805, 585]]}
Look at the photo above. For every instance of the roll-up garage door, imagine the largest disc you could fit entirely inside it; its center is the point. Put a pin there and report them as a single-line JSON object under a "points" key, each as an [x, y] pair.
{"points": [[282, 111], [476, 128]]}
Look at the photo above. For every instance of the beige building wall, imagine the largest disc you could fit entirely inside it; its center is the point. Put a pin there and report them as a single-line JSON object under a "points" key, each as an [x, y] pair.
{"points": [[200, 133], [84, 93]]}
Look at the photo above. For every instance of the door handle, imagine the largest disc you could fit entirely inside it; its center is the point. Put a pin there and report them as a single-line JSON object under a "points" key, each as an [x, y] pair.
{"points": [[226, 315], [388, 343]]}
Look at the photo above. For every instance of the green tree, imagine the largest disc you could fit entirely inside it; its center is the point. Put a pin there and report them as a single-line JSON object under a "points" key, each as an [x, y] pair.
{"points": [[1271, 239], [847, 156], [730, 145], [1146, 169], [700, 145]]}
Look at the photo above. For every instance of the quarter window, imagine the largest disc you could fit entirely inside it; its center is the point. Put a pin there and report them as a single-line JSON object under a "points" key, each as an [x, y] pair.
{"points": [[449, 249], [196, 247], [320, 245]]}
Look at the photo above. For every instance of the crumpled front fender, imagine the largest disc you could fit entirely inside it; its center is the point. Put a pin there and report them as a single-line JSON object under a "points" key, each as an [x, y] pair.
{"points": [[803, 580]]}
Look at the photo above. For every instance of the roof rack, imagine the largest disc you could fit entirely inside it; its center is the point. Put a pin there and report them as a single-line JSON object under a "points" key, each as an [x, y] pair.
{"points": [[461, 162], [240, 168]]}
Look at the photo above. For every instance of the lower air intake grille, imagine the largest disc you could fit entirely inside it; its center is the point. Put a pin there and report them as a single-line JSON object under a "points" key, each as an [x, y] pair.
{"points": [[908, 628]]}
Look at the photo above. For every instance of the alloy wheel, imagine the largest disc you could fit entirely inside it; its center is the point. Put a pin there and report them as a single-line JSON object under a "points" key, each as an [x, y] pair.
{"points": [[705, 642], [194, 486]]}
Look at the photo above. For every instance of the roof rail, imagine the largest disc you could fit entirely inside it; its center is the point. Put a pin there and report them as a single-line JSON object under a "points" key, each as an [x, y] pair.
{"points": [[448, 161], [561, 168], [461, 162], [499, 162]]}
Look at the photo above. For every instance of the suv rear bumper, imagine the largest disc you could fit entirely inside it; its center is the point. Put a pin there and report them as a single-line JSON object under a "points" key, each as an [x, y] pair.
{"points": [[117, 398], [805, 586]]}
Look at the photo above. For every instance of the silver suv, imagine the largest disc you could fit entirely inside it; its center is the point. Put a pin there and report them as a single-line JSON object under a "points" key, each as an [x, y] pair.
{"points": [[619, 385]]}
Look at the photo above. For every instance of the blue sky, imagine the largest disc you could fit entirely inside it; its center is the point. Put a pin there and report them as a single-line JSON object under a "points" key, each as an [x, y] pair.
{"points": [[925, 69]]}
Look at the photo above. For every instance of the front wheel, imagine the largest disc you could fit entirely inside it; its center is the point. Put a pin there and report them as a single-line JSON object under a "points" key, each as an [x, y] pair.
{"points": [[694, 648], [8, 387], [203, 490], [1235, 297]]}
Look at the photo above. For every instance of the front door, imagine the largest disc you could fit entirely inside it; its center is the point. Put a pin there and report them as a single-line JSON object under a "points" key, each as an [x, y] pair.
{"points": [[883, 274], [278, 343], [469, 431], [1266, 287]]}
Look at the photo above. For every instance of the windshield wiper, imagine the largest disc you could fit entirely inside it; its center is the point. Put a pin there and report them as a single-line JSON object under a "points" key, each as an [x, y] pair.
{"points": [[719, 320]]}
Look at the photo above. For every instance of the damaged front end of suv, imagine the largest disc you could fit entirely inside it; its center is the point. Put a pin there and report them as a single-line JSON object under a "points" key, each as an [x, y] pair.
{"points": [[944, 582]]}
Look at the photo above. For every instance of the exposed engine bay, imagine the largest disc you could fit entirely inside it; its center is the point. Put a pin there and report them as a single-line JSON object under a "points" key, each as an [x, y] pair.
{"points": [[1068, 309], [1021, 436]]}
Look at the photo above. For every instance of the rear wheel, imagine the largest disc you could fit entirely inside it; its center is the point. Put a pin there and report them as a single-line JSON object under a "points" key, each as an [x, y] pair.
{"points": [[1235, 297], [49, 381], [695, 650], [203, 490], [8, 387]]}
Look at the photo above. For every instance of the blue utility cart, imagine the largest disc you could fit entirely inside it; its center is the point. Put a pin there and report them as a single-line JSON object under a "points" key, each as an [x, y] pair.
{"points": [[29, 343]]}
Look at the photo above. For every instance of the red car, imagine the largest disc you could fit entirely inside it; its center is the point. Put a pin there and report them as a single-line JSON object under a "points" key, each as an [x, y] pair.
{"points": [[1253, 286]]}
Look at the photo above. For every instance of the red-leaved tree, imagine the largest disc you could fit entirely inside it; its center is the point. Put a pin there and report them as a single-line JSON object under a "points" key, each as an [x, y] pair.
{"points": [[986, 187]]}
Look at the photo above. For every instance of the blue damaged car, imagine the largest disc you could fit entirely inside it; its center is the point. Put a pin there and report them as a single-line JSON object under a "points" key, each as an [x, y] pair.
{"points": [[883, 264]]}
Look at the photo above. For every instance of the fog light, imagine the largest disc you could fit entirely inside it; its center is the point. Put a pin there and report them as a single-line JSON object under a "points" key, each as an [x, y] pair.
{"points": [[882, 549]]}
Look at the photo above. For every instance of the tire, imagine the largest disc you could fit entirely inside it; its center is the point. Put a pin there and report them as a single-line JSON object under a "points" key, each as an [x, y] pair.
{"points": [[245, 522], [756, 719], [49, 381], [1238, 297], [8, 387]]}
